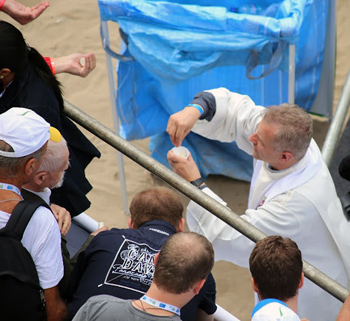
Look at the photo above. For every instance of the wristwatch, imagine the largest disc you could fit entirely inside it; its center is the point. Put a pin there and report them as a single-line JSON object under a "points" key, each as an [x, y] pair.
{"points": [[198, 182]]}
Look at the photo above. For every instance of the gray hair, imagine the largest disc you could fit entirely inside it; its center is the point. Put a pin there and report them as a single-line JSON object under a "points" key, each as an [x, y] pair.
{"points": [[294, 131], [10, 166], [52, 159]]}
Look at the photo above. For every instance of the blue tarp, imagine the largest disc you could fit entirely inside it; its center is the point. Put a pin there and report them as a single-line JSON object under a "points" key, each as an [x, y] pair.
{"points": [[180, 47]]}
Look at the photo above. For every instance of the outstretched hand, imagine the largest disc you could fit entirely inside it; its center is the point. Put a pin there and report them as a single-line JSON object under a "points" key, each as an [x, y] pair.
{"points": [[186, 168], [76, 64], [181, 123], [23, 14]]}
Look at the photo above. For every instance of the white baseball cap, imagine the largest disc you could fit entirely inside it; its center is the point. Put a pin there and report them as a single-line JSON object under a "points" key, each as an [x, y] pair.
{"points": [[24, 130]]}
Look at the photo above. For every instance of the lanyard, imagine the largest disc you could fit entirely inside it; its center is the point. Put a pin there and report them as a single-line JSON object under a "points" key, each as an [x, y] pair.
{"points": [[161, 305], [9, 187]]}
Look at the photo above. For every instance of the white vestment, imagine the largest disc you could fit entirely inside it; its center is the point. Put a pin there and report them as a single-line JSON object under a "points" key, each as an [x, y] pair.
{"points": [[299, 202]]}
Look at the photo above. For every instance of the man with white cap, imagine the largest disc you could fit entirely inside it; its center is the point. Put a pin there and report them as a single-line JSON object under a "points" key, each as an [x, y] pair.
{"points": [[23, 141], [276, 267]]}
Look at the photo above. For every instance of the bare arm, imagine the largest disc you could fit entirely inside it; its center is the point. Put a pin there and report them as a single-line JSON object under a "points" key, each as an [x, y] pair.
{"points": [[344, 314], [23, 14], [75, 64], [56, 309], [181, 123]]}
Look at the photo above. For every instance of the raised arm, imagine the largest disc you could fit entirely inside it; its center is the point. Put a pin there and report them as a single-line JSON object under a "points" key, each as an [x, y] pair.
{"points": [[21, 13], [75, 64], [181, 123]]}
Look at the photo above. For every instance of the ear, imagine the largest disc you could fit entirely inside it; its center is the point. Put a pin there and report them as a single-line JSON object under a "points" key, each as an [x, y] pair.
{"points": [[301, 281], [156, 259], [40, 178], [181, 225], [4, 72], [254, 285], [30, 167], [198, 285], [130, 223], [286, 157]]}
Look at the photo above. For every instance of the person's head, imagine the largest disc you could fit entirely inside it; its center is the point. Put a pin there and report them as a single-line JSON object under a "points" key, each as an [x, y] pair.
{"points": [[23, 141], [13, 48], [156, 203], [54, 163], [16, 55], [283, 135], [183, 263], [276, 268]]}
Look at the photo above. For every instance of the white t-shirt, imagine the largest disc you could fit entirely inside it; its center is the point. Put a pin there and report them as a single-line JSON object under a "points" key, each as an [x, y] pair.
{"points": [[42, 239], [273, 310]]}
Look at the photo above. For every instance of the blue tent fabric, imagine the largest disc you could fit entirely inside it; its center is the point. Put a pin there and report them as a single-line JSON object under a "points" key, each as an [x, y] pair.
{"points": [[178, 48], [182, 41]]}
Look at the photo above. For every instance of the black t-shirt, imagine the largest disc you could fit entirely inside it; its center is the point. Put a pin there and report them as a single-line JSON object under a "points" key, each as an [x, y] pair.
{"points": [[120, 262]]}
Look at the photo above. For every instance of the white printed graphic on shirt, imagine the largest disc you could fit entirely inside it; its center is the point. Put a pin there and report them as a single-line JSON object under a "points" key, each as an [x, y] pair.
{"points": [[132, 267]]}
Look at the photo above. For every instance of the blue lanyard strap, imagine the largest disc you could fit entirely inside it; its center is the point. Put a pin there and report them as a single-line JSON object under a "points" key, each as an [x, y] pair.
{"points": [[9, 187], [161, 305]]}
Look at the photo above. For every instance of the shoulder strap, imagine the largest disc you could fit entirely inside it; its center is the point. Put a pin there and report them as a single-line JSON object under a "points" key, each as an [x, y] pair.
{"points": [[21, 216]]}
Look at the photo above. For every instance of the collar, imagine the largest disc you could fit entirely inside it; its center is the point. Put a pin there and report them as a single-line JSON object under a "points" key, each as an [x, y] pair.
{"points": [[262, 303], [158, 226], [292, 177], [45, 195]]}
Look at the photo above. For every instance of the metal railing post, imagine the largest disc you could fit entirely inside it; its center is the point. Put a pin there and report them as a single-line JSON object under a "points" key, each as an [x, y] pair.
{"points": [[337, 124], [112, 96]]}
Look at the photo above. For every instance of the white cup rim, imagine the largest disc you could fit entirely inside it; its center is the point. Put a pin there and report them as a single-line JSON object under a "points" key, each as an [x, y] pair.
{"points": [[181, 151]]}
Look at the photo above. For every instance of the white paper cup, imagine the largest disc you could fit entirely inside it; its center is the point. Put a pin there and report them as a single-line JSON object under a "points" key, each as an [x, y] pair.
{"points": [[181, 151]]}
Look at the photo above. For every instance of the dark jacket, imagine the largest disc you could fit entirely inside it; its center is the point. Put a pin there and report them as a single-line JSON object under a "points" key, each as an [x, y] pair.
{"points": [[30, 91]]}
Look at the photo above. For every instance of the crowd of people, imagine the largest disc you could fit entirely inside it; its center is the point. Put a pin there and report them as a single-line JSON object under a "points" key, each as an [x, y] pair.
{"points": [[154, 270]]}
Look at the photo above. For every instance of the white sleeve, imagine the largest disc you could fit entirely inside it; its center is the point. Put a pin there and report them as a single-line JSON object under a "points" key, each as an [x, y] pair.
{"points": [[235, 119], [227, 242], [42, 238], [284, 215]]}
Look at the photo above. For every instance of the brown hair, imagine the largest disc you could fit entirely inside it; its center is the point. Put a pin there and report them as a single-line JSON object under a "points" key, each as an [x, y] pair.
{"points": [[294, 131], [185, 258], [157, 203], [276, 266]]}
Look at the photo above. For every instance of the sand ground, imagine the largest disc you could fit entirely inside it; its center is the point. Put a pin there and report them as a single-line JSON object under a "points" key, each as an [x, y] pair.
{"points": [[73, 26]]}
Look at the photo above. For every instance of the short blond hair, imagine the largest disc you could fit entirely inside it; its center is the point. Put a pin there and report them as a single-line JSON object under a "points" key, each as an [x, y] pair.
{"points": [[295, 128]]}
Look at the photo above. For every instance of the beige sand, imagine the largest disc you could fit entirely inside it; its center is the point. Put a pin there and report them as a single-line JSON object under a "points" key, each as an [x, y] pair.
{"points": [[73, 26]]}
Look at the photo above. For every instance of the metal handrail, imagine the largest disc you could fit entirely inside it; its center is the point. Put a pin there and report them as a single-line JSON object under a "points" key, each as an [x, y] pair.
{"points": [[337, 124], [217, 209]]}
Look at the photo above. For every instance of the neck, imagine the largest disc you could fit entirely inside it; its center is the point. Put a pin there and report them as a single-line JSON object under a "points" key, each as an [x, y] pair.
{"points": [[6, 80], [33, 187], [292, 303], [177, 300], [16, 181], [281, 166]]}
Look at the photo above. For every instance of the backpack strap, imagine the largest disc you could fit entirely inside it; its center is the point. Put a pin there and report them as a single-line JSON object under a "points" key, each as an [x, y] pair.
{"points": [[21, 216]]}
